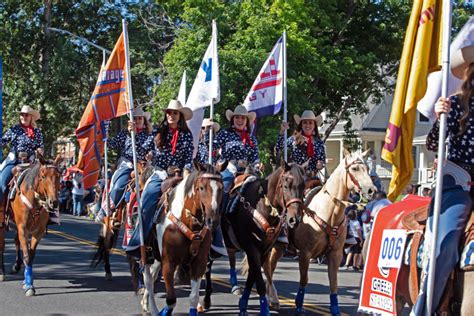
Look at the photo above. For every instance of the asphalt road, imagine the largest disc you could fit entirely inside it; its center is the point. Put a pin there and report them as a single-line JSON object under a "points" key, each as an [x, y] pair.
{"points": [[66, 285]]}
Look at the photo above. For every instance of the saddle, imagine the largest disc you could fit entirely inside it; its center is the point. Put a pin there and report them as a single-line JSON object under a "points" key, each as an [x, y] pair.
{"points": [[238, 182], [19, 173]]}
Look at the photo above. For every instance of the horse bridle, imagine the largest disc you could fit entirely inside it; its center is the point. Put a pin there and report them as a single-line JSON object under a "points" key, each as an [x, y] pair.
{"points": [[291, 201], [42, 202], [357, 161]]}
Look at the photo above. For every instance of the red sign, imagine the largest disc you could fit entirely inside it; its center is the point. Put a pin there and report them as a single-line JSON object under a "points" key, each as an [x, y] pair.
{"points": [[378, 287]]}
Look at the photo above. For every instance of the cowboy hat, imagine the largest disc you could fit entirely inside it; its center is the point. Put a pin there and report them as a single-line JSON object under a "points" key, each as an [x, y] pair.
{"points": [[215, 126], [241, 110], [461, 59], [29, 110], [175, 105], [308, 115], [140, 112]]}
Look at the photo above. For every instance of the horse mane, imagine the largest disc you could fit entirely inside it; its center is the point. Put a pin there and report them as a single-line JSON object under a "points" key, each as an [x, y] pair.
{"points": [[31, 176]]}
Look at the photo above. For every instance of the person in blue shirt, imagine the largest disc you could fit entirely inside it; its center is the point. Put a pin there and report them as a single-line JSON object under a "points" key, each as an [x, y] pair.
{"points": [[456, 200], [173, 148], [25, 140], [123, 142]]}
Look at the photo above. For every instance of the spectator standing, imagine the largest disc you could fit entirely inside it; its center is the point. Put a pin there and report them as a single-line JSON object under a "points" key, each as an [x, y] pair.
{"points": [[77, 193]]}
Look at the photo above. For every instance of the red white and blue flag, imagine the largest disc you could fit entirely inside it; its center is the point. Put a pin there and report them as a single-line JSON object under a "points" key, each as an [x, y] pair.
{"points": [[109, 100], [266, 95]]}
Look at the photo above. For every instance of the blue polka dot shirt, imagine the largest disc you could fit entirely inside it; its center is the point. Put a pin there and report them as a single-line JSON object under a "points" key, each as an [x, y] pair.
{"points": [[183, 156], [232, 148], [460, 148], [123, 143], [299, 152], [20, 142]]}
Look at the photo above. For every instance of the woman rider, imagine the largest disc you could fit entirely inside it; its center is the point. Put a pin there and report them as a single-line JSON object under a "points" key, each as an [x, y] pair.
{"points": [[202, 154], [25, 140], [173, 148], [456, 200], [123, 142], [305, 144]]}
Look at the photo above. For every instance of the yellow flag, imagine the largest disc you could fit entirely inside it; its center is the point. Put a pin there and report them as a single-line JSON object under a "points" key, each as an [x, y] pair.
{"points": [[421, 55]]}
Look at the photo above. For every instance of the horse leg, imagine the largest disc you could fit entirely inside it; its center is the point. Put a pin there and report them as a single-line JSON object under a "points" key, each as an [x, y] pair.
{"points": [[108, 271], [207, 297], [233, 274], [28, 281], [150, 274], [304, 258], [19, 258], [334, 261], [2, 245], [269, 267], [168, 274]]}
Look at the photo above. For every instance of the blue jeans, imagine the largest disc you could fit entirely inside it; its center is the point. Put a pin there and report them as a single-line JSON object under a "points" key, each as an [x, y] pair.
{"points": [[77, 204], [455, 209], [6, 175], [150, 197], [119, 183], [228, 181]]}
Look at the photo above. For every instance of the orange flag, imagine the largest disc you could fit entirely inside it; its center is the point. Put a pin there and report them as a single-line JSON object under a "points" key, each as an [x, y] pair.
{"points": [[109, 100], [421, 55]]}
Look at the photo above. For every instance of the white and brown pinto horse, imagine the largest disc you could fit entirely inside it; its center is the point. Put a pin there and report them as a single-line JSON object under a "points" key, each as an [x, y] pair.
{"points": [[184, 233], [323, 228]]}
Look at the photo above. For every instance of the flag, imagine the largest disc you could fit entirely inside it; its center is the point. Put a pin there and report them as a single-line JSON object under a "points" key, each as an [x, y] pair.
{"points": [[108, 100], [206, 87], [266, 95], [421, 55], [425, 106], [1, 101], [182, 90]]}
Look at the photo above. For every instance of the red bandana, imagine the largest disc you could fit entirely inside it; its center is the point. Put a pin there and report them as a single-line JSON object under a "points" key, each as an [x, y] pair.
{"points": [[139, 130], [174, 139], [310, 145], [244, 136], [29, 130]]}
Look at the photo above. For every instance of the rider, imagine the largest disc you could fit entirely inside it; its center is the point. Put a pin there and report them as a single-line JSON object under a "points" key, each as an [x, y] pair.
{"points": [[25, 140], [123, 142], [202, 154], [173, 148], [456, 200], [305, 144]]}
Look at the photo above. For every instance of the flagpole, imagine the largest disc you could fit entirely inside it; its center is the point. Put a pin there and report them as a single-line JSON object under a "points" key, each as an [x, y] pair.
{"points": [[441, 155], [285, 110], [135, 164], [106, 165], [211, 132]]}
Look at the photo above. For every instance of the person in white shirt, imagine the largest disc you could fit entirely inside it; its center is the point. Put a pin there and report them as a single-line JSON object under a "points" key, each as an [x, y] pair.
{"points": [[77, 193]]}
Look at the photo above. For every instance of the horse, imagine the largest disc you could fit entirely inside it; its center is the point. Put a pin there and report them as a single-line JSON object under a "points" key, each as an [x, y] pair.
{"points": [[184, 231], [323, 228], [35, 197]]}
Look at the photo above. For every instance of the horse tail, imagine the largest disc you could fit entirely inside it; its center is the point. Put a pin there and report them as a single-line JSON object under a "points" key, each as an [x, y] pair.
{"points": [[105, 242], [245, 267]]}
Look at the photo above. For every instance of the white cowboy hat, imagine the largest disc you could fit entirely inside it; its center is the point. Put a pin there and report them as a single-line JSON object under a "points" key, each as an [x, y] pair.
{"points": [[140, 112], [29, 110], [215, 126], [308, 115], [175, 105], [461, 59], [241, 110]]}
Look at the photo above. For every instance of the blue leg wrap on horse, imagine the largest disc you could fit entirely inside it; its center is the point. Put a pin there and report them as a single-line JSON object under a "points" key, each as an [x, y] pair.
{"points": [[264, 309], [244, 300], [28, 275], [300, 298], [193, 312], [334, 305], [165, 312], [233, 277]]}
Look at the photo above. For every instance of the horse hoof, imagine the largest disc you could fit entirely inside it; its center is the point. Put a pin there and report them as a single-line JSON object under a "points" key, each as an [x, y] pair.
{"points": [[200, 308], [108, 276], [300, 311], [236, 290], [243, 313], [30, 292]]}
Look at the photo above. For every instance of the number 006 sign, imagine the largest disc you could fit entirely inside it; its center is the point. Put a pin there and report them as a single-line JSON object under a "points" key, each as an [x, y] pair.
{"points": [[392, 248]]}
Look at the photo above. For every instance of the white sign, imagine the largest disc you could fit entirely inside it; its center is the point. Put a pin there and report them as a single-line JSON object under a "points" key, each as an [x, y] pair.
{"points": [[392, 248]]}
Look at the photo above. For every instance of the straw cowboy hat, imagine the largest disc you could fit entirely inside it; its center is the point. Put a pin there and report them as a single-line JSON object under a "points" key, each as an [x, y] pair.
{"points": [[461, 59], [309, 115], [29, 110], [241, 110], [140, 112], [215, 126], [175, 105]]}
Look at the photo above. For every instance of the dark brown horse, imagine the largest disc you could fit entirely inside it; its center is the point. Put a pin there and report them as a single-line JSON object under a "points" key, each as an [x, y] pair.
{"points": [[36, 196], [263, 207], [184, 233]]}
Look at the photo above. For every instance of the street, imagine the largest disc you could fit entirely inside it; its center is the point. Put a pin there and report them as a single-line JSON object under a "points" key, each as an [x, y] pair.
{"points": [[66, 285]]}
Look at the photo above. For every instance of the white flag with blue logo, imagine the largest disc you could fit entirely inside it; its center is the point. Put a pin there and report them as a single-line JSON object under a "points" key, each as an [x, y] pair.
{"points": [[182, 90], [206, 87], [266, 95]]}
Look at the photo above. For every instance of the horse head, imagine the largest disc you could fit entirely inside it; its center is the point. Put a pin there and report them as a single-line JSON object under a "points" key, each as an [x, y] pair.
{"points": [[48, 182], [357, 174], [208, 191], [285, 190]]}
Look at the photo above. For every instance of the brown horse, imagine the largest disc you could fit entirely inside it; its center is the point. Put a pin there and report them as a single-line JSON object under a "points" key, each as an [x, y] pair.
{"points": [[34, 198], [323, 228], [184, 233]]}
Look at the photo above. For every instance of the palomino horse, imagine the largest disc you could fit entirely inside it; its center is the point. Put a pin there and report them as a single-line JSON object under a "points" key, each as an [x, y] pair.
{"points": [[34, 198], [323, 228], [263, 206], [184, 233]]}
